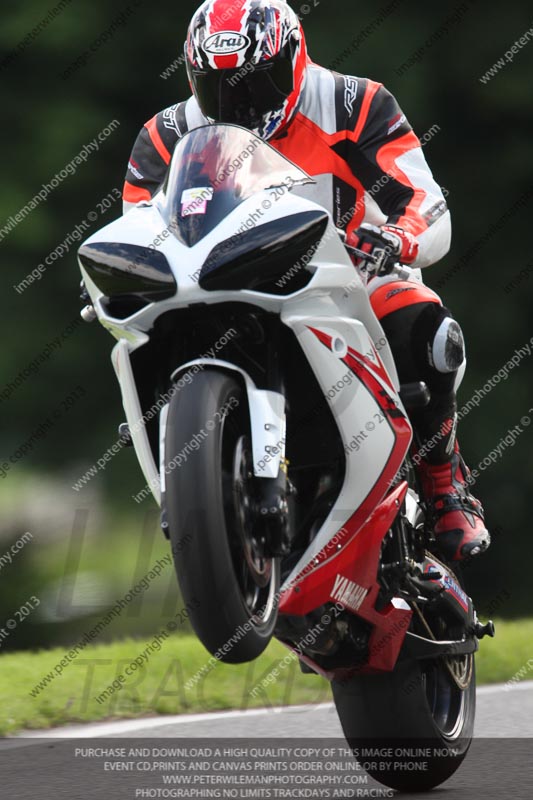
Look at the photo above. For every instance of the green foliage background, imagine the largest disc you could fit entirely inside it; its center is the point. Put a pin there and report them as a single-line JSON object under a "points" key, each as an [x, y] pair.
{"points": [[482, 155]]}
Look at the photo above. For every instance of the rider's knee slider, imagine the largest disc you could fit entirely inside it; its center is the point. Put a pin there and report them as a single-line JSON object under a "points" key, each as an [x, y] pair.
{"points": [[448, 347]]}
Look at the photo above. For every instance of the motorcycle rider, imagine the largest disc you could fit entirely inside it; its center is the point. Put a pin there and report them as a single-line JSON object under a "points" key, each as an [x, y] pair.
{"points": [[247, 63]]}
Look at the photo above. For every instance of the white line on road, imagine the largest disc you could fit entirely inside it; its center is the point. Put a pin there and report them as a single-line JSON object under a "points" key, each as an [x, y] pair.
{"points": [[129, 725], [495, 688], [149, 723]]}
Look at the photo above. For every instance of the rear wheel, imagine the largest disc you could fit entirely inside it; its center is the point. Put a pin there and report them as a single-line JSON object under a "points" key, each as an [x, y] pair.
{"points": [[420, 716], [419, 719], [229, 585]]}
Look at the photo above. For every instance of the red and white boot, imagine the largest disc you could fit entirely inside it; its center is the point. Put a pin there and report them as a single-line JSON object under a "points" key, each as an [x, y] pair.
{"points": [[455, 516]]}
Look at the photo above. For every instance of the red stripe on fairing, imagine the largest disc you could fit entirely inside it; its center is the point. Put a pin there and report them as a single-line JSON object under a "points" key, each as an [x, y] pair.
{"points": [[366, 371], [355, 551], [358, 562], [402, 432], [372, 365], [362, 359]]}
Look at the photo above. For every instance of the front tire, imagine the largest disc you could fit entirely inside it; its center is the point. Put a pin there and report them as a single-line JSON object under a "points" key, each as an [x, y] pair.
{"points": [[229, 587]]}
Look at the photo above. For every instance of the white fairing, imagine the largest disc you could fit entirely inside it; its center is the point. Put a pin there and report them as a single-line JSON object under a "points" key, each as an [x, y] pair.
{"points": [[134, 416], [368, 442], [335, 302]]}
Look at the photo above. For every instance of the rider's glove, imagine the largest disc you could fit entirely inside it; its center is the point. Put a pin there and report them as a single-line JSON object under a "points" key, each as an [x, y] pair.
{"points": [[388, 245]]}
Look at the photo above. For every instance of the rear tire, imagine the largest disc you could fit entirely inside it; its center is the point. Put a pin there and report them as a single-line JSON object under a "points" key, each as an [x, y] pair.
{"points": [[230, 589], [418, 706]]}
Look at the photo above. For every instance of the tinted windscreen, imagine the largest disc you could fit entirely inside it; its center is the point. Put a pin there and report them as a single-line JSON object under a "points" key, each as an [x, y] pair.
{"points": [[213, 170]]}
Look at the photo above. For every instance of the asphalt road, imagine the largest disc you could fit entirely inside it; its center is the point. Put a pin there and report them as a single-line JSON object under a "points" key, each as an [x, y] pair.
{"points": [[498, 766], [501, 713]]}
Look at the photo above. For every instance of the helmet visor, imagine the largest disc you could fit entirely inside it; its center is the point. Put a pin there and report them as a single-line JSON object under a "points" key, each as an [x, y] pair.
{"points": [[243, 96]]}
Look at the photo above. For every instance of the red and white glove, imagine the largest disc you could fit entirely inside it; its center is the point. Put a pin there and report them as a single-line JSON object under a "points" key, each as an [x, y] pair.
{"points": [[388, 245]]}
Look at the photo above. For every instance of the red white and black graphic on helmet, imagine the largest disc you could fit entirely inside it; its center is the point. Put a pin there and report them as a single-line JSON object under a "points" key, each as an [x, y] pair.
{"points": [[225, 34], [237, 37], [226, 42]]}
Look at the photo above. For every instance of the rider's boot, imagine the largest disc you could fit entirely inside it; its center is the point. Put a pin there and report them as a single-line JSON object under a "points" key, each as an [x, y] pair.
{"points": [[454, 515]]}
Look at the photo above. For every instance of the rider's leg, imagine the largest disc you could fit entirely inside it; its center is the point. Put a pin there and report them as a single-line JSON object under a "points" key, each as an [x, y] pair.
{"points": [[427, 345]]}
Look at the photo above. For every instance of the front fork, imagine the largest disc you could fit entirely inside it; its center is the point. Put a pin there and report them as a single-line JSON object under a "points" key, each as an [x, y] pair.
{"points": [[273, 514], [273, 517], [271, 487]]}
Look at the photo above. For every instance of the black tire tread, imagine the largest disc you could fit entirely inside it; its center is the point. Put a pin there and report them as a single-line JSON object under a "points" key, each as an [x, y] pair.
{"points": [[195, 513]]}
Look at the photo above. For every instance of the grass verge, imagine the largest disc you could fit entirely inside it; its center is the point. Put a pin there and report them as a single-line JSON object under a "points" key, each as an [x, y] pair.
{"points": [[159, 686]]}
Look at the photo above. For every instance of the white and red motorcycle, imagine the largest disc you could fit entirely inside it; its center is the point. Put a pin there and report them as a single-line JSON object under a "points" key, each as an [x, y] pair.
{"points": [[263, 403]]}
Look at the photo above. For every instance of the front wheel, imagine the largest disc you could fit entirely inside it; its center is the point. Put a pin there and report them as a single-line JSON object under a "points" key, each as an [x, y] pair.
{"points": [[228, 584], [411, 728]]}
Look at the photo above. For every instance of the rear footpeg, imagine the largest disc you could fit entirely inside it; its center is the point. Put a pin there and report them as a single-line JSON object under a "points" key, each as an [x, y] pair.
{"points": [[419, 647], [485, 630]]}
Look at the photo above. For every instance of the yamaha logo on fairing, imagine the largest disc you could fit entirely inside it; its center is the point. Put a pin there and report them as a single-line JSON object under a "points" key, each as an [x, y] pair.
{"points": [[348, 593], [226, 43]]}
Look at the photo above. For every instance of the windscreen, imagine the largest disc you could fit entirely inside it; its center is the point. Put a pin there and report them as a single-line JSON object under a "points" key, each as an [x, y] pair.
{"points": [[214, 169]]}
